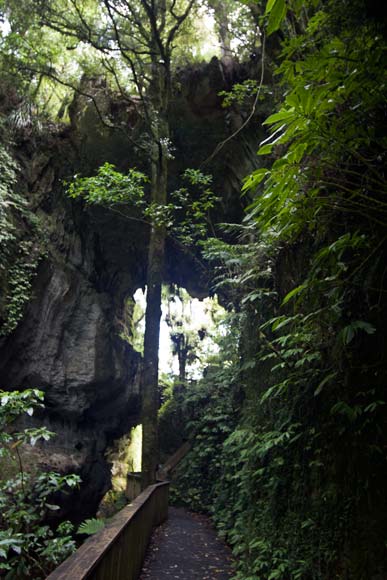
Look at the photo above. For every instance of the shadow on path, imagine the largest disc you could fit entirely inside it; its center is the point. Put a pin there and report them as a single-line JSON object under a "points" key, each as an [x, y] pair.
{"points": [[186, 547]]}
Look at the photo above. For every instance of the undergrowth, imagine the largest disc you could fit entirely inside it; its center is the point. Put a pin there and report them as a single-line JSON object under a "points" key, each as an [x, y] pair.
{"points": [[22, 244], [295, 480]]}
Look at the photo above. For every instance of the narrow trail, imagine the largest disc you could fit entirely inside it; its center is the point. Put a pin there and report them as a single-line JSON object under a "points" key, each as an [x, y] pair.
{"points": [[186, 547]]}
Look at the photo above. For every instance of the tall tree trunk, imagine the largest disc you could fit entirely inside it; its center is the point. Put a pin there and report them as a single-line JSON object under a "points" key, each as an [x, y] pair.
{"points": [[221, 13], [156, 253], [150, 444], [182, 356]]}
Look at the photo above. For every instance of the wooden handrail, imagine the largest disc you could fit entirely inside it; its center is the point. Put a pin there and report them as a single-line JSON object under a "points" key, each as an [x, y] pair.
{"points": [[164, 472], [117, 552]]}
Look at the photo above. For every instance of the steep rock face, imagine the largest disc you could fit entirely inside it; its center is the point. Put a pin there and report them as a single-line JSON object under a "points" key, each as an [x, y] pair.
{"points": [[67, 345], [204, 134], [214, 138], [68, 342]]}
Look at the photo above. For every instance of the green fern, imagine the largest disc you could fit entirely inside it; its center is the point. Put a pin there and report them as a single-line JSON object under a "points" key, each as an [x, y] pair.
{"points": [[91, 526]]}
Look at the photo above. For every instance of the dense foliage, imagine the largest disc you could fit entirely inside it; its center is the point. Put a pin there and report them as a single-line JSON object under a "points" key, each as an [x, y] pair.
{"points": [[29, 548], [288, 421], [22, 243], [298, 489]]}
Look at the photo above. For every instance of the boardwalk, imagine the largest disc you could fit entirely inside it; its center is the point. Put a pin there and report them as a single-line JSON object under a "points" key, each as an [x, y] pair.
{"points": [[186, 548]]}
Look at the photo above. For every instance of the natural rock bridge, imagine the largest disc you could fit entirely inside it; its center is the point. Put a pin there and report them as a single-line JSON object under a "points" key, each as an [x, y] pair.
{"points": [[185, 547]]}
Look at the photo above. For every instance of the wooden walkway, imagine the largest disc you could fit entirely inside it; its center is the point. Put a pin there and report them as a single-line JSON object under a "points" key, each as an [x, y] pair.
{"points": [[186, 547]]}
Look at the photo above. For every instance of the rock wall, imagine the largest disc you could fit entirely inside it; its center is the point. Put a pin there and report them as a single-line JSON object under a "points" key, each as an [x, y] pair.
{"points": [[68, 342]]}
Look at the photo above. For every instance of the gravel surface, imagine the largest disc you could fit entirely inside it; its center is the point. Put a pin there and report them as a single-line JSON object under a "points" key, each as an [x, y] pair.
{"points": [[186, 547]]}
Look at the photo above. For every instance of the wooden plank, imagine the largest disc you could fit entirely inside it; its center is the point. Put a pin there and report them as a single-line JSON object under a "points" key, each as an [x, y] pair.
{"points": [[173, 461]]}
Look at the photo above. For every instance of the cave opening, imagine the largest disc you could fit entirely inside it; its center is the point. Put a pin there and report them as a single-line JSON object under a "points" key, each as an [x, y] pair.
{"points": [[189, 328]]}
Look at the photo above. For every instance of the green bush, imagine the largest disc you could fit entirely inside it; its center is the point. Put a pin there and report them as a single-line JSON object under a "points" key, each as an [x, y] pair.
{"points": [[29, 548]]}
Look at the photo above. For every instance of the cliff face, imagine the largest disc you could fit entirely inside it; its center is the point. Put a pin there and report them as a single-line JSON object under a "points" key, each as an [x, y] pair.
{"points": [[68, 341]]}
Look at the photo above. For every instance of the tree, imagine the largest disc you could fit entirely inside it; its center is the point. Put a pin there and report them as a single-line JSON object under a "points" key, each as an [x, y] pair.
{"points": [[190, 217], [222, 19], [237, 23], [135, 43]]}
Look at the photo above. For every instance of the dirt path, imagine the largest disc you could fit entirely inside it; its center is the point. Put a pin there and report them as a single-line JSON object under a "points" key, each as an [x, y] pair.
{"points": [[186, 547]]}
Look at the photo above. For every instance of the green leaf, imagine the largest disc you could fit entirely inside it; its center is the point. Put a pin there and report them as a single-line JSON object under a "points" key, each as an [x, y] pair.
{"points": [[349, 331], [277, 14], [269, 6], [91, 526], [281, 322], [366, 326], [255, 179], [342, 408], [52, 507], [347, 334], [322, 384], [373, 406], [284, 114], [293, 293], [265, 149]]}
